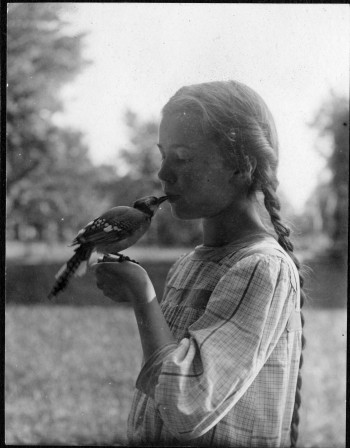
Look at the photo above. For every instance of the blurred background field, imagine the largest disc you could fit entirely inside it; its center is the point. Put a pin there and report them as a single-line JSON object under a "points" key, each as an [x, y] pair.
{"points": [[71, 366], [84, 85], [70, 374]]}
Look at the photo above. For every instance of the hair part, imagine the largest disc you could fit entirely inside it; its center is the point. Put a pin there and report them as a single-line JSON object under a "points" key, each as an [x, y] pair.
{"points": [[238, 119]]}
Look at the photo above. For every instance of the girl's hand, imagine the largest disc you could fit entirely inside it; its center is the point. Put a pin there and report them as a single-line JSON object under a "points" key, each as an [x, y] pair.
{"points": [[124, 282]]}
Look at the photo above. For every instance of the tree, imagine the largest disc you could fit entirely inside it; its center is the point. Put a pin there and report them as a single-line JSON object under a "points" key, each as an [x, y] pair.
{"points": [[46, 165], [332, 122], [141, 156], [40, 59], [61, 195]]}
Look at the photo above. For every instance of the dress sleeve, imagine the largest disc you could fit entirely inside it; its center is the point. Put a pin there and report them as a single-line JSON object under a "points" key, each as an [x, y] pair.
{"points": [[201, 379]]}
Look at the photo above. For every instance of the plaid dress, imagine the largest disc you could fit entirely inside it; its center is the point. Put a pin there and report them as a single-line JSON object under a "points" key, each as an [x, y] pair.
{"points": [[230, 379]]}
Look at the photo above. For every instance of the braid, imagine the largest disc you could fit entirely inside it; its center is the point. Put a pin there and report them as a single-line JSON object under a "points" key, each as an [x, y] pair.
{"points": [[273, 206]]}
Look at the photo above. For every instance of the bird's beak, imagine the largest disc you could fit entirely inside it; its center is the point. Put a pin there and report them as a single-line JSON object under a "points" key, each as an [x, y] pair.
{"points": [[162, 199]]}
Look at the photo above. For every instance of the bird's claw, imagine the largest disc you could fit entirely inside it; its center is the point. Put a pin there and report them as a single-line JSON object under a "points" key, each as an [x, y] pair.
{"points": [[125, 258], [117, 258]]}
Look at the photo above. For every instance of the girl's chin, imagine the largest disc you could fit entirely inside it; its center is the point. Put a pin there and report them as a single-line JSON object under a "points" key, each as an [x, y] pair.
{"points": [[182, 212]]}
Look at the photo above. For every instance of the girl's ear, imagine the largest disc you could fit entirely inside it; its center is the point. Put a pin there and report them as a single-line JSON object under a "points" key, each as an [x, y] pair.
{"points": [[245, 174], [253, 164]]}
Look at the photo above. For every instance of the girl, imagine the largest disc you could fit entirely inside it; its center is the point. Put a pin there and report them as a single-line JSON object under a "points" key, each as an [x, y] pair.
{"points": [[222, 350]]}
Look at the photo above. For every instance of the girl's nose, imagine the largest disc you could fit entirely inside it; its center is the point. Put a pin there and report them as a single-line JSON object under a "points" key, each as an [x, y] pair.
{"points": [[166, 174]]}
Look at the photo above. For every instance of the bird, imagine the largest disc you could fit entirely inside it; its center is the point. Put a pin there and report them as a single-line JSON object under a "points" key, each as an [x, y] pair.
{"points": [[113, 231]]}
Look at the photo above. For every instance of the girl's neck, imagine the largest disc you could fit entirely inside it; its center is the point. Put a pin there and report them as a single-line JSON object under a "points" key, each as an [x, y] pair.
{"points": [[233, 224]]}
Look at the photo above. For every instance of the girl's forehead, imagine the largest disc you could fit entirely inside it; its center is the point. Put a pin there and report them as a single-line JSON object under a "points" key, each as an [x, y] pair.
{"points": [[184, 126]]}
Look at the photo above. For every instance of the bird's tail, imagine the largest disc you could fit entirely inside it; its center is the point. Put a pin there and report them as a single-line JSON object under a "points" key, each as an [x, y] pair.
{"points": [[82, 254]]}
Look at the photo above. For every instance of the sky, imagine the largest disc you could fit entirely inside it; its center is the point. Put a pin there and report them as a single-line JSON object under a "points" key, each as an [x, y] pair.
{"points": [[291, 54]]}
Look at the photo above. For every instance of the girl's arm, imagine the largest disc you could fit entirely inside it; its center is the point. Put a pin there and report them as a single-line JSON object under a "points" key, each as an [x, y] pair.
{"points": [[153, 328], [130, 282]]}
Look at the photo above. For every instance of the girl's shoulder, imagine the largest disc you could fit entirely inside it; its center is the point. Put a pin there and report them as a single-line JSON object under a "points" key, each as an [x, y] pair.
{"points": [[227, 256], [270, 251], [268, 246], [215, 263]]}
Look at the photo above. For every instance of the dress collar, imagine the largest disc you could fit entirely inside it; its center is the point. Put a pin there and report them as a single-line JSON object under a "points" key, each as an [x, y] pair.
{"points": [[211, 253]]}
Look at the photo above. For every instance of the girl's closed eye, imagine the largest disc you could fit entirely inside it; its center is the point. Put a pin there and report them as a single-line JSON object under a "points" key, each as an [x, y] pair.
{"points": [[183, 155], [161, 152], [179, 154]]}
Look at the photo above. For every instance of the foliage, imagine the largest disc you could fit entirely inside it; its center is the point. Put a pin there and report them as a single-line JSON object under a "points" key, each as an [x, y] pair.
{"points": [[141, 156], [330, 200], [52, 186], [40, 59], [62, 195], [140, 162]]}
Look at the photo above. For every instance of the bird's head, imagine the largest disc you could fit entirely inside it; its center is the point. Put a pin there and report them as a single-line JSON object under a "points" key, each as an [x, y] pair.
{"points": [[149, 204]]}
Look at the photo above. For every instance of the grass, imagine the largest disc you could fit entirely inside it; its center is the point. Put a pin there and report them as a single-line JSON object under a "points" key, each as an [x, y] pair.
{"points": [[70, 373], [70, 370], [323, 411]]}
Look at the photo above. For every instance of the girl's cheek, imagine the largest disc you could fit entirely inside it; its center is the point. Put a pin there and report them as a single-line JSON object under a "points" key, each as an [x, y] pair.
{"points": [[191, 179]]}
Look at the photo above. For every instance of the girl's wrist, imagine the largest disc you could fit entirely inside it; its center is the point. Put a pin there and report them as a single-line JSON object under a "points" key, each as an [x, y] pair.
{"points": [[140, 303], [153, 328]]}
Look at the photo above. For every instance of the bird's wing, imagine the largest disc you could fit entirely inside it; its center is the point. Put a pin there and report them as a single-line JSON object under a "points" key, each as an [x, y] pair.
{"points": [[114, 225]]}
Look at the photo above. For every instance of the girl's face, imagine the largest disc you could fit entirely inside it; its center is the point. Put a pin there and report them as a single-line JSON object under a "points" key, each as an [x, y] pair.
{"points": [[193, 172]]}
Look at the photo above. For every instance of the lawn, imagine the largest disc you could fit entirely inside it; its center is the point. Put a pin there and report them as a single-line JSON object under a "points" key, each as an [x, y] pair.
{"points": [[70, 372], [71, 364]]}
